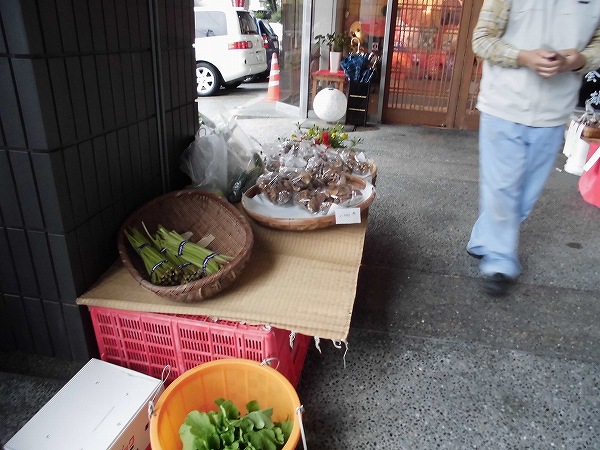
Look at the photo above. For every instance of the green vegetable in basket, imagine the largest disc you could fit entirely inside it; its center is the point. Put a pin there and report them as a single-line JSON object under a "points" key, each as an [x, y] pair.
{"points": [[210, 262], [225, 429], [161, 270], [189, 272], [246, 180]]}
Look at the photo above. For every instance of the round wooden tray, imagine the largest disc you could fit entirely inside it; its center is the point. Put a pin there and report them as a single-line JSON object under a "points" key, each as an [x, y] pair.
{"points": [[294, 218]]}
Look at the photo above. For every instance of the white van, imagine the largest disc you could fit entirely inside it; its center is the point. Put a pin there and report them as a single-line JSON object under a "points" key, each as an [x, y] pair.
{"points": [[228, 45]]}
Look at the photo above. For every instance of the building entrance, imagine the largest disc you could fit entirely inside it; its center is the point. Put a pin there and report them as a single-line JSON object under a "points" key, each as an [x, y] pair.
{"points": [[432, 75]]}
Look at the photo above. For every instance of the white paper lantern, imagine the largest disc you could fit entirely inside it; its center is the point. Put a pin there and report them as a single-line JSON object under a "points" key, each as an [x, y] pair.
{"points": [[330, 104]]}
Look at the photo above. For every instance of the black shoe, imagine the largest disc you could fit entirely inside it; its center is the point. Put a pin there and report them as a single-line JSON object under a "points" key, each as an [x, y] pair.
{"points": [[497, 285], [474, 255]]}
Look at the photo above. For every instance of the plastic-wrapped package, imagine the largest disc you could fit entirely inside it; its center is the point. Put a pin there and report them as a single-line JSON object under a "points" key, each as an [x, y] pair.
{"points": [[314, 176], [222, 158]]}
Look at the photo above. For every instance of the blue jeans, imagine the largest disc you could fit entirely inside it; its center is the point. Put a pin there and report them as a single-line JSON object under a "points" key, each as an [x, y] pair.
{"points": [[514, 163]]}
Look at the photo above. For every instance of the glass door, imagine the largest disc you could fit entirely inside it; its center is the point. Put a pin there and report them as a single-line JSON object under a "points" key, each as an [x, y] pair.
{"points": [[432, 75], [293, 73]]}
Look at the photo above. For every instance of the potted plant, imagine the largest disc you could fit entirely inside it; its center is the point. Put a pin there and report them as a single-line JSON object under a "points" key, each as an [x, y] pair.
{"points": [[337, 43]]}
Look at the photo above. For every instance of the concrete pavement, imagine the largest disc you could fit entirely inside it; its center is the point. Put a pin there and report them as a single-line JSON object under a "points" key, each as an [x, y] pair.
{"points": [[432, 362]]}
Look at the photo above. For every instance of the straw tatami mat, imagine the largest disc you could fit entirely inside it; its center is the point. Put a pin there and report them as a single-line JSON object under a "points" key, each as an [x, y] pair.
{"points": [[300, 281]]}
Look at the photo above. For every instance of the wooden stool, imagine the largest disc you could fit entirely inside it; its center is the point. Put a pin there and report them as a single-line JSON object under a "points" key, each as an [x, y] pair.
{"points": [[336, 78]]}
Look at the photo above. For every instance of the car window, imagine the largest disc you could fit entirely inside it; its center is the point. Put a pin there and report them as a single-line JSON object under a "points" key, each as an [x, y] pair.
{"points": [[262, 29], [210, 23], [267, 28], [247, 23]]}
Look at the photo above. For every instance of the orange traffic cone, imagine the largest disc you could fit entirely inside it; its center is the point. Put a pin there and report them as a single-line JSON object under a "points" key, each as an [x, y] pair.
{"points": [[273, 91]]}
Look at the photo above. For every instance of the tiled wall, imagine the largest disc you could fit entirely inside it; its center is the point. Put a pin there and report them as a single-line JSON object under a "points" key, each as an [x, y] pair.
{"points": [[97, 101]]}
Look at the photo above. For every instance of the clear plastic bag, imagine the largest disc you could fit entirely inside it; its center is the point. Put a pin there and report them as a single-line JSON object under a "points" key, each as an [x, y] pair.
{"points": [[205, 161], [219, 156]]}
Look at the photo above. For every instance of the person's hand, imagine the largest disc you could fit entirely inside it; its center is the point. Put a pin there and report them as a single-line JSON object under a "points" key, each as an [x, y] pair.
{"points": [[574, 60], [546, 63]]}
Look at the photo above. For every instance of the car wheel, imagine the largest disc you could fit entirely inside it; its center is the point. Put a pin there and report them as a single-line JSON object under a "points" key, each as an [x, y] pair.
{"points": [[208, 79], [232, 84]]}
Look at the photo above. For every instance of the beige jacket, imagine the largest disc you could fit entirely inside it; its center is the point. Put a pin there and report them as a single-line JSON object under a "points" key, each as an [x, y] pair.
{"points": [[517, 93]]}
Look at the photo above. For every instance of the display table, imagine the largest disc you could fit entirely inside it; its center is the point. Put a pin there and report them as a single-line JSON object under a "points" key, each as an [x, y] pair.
{"points": [[304, 281], [336, 78]]}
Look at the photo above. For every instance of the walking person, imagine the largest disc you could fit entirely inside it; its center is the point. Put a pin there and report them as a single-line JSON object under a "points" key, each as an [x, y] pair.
{"points": [[535, 54]]}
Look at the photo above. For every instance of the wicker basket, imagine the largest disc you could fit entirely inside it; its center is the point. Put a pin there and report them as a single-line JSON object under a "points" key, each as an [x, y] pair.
{"points": [[591, 132], [201, 213]]}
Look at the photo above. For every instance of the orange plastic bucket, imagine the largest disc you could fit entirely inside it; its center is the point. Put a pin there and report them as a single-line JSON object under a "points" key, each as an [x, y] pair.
{"points": [[238, 380]]}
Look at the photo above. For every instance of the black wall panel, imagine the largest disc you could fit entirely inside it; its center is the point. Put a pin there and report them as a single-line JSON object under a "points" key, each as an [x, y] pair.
{"points": [[42, 264], [68, 32], [83, 24], [10, 209], [92, 94], [38, 326], [26, 189], [18, 323], [90, 177], [57, 330], [52, 187], [97, 106], [15, 29], [102, 171], [21, 259], [61, 97], [77, 97], [105, 91], [30, 107], [6, 334], [10, 113], [110, 25], [8, 274]]}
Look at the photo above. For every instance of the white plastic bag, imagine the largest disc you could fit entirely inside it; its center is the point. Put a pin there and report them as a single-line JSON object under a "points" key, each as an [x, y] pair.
{"points": [[575, 148], [205, 161], [220, 153], [573, 137]]}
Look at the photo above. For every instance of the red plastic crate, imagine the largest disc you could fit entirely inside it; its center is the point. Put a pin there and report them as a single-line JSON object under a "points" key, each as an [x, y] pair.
{"points": [[147, 342]]}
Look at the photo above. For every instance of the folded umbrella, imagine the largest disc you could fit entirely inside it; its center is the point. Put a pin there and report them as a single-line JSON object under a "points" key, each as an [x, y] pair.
{"points": [[353, 66]]}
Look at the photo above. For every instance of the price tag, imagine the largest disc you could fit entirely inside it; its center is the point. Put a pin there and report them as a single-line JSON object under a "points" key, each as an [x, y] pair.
{"points": [[347, 215], [206, 240]]}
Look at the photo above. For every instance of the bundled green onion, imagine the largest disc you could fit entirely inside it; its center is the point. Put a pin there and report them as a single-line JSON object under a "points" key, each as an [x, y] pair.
{"points": [[189, 272], [209, 262], [171, 260], [162, 272]]}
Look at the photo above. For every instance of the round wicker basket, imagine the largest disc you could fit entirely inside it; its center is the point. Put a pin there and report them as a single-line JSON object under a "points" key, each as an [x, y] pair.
{"points": [[201, 213], [591, 132]]}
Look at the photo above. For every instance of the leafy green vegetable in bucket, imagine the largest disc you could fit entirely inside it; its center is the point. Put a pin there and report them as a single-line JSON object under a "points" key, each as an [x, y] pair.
{"points": [[225, 429]]}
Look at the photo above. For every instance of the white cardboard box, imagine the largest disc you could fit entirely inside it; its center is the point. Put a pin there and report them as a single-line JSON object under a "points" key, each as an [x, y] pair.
{"points": [[103, 407]]}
